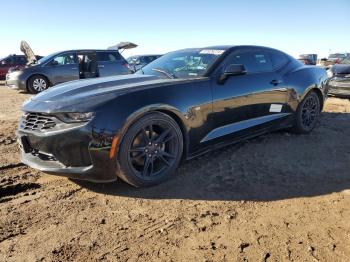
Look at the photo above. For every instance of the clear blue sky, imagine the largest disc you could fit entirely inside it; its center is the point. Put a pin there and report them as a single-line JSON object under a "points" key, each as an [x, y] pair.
{"points": [[294, 26]]}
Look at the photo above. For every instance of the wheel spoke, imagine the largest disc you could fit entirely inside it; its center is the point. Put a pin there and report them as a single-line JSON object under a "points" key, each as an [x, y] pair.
{"points": [[163, 153], [146, 166], [164, 160], [141, 154], [162, 136], [137, 149], [169, 138], [150, 132], [145, 136], [152, 166]]}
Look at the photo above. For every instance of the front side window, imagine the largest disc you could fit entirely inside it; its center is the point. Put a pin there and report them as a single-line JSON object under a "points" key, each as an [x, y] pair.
{"points": [[254, 61], [64, 59], [183, 64]]}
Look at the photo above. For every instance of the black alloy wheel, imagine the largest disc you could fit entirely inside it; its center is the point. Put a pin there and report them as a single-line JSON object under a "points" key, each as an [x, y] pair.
{"points": [[151, 150], [308, 113]]}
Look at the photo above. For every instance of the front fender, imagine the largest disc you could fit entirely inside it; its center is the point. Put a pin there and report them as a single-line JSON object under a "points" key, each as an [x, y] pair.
{"points": [[109, 135]]}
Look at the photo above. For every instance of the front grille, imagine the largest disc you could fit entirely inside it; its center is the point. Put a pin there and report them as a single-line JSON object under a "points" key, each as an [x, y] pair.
{"points": [[37, 122]]}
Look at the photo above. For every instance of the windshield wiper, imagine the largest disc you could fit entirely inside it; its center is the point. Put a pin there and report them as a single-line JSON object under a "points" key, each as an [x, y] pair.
{"points": [[164, 72]]}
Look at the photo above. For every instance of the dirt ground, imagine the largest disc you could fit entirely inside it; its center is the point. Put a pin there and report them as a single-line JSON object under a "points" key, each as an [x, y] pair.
{"points": [[279, 197]]}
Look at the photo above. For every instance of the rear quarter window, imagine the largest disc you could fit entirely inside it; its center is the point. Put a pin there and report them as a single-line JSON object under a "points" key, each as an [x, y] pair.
{"points": [[278, 59], [255, 61], [108, 56]]}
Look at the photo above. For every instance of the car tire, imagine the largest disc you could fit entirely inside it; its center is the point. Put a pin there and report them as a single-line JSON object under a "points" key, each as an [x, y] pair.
{"points": [[307, 114], [150, 150], [37, 84]]}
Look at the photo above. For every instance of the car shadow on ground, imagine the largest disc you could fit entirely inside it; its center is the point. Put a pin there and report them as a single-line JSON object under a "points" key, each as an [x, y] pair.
{"points": [[271, 167]]}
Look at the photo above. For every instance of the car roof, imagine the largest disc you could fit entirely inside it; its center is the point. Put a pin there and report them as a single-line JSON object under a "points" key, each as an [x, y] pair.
{"points": [[227, 47], [145, 55], [88, 50]]}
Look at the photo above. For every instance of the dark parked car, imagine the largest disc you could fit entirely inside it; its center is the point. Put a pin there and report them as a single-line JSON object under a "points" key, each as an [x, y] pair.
{"points": [[138, 61], [66, 66], [336, 58], [339, 83], [12, 61], [138, 127], [308, 59]]}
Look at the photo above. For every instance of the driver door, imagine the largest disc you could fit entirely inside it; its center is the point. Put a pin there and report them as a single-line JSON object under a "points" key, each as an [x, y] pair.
{"points": [[247, 104]]}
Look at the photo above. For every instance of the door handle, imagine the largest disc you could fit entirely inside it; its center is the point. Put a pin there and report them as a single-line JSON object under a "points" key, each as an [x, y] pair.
{"points": [[101, 66], [74, 68], [275, 82]]}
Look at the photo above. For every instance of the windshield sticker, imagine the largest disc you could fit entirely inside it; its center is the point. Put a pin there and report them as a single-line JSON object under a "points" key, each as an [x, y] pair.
{"points": [[212, 52]]}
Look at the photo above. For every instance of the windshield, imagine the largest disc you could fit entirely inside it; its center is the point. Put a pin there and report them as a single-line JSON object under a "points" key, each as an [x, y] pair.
{"points": [[183, 64], [47, 58]]}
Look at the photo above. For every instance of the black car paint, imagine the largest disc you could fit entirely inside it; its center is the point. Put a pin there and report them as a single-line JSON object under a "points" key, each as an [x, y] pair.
{"points": [[210, 114]]}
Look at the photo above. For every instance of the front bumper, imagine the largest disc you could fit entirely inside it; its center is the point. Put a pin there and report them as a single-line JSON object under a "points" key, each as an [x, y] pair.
{"points": [[15, 83], [339, 87], [77, 153]]}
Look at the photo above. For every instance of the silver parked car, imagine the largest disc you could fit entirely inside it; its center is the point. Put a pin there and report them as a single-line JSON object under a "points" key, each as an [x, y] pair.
{"points": [[65, 66]]}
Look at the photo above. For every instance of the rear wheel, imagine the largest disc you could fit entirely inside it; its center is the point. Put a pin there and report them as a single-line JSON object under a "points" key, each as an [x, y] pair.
{"points": [[37, 84], [151, 150], [307, 114]]}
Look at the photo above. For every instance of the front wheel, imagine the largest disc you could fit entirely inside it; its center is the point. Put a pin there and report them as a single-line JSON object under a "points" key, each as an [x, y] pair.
{"points": [[37, 84], [307, 114], [151, 150]]}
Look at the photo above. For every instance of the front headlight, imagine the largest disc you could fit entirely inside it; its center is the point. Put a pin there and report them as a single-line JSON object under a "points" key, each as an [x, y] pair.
{"points": [[76, 117], [13, 75]]}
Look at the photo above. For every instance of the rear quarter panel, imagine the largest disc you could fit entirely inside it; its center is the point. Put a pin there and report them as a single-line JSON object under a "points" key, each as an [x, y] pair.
{"points": [[302, 79]]}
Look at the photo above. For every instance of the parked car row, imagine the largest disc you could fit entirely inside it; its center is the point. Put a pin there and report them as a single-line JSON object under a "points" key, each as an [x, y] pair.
{"points": [[338, 69], [336, 58], [13, 62], [36, 74], [308, 59], [339, 83]]}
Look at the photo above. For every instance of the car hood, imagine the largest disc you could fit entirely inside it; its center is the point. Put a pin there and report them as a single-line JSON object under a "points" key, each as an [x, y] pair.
{"points": [[28, 52], [82, 95]]}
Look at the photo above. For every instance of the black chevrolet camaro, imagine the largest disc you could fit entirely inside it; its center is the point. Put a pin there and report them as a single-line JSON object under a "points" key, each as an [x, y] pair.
{"points": [[139, 127]]}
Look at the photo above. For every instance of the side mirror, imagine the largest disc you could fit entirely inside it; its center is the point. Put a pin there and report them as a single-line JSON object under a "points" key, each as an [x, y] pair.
{"points": [[232, 70], [54, 63]]}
